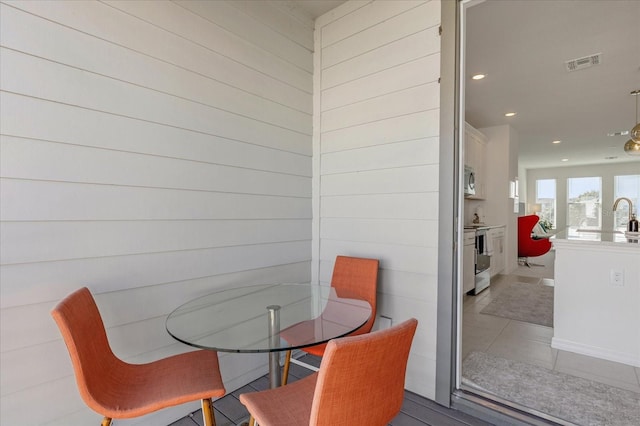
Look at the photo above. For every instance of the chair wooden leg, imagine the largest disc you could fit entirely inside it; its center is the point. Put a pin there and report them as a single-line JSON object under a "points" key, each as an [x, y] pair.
{"points": [[208, 415], [285, 367], [106, 421]]}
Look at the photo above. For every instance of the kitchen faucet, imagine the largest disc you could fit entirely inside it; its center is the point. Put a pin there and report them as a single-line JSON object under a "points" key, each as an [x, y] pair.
{"points": [[615, 206]]}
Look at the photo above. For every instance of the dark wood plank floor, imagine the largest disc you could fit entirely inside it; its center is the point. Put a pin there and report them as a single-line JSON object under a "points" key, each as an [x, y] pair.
{"points": [[416, 410]]}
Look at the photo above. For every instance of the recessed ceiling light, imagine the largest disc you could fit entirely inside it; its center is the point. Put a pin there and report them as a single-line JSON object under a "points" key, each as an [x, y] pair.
{"points": [[556, 142], [478, 77], [564, 159], [510, 114]]}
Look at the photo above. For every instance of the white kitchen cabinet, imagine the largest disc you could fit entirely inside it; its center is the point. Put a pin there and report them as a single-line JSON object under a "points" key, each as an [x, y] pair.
{"points": [[475, 156], [496, 235], [469, 261]]}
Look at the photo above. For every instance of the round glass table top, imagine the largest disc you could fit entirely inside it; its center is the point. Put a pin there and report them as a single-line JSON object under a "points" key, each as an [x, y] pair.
{"points": [[239, 319]]}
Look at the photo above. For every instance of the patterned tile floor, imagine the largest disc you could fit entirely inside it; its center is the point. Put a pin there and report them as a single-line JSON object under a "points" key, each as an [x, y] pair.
{"points": [[416, 410]]}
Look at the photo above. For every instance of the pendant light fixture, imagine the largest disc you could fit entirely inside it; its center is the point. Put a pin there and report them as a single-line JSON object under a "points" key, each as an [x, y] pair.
{"points": [[632, 147]]}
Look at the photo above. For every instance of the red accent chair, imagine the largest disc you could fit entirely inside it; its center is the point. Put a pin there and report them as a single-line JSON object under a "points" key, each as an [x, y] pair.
{"points": [[360, 382], [527, 245], [117, 389]]}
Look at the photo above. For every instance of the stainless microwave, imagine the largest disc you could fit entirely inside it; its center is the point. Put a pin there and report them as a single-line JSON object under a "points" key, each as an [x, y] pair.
{"points": [[469, 181]]}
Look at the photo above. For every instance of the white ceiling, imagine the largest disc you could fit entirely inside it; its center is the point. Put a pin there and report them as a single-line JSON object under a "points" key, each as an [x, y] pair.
{"points": [[522, 46]]}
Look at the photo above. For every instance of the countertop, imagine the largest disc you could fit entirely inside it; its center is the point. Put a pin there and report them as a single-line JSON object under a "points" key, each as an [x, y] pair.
{"points": [[584, 237], [481, 226]]}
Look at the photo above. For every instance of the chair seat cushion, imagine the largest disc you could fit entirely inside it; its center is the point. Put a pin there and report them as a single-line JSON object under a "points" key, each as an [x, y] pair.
{"points": [[138, 389], [288, 405]]}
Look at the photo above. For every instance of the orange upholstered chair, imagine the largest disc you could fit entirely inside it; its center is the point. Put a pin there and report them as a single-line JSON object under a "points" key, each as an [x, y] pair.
{"points": [[116, 389], [527, 246], [360, 381], [353, 278]]}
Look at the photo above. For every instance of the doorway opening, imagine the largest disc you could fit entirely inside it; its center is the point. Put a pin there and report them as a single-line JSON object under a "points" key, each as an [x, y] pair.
{"points": [[505, 358]]}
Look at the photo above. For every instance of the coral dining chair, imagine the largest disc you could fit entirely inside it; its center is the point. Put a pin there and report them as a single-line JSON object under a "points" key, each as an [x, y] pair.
{"points": [[343, 392], [116, 389], [353, 278]]}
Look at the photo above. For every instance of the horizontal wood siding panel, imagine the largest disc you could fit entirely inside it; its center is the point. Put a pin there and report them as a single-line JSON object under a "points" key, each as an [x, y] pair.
{"points": [[101, 93], [295, 29], [421, 260], [14, 378], [32, 118], [58, 397], [395, 104], [27, 325], [397, 155], [48, 241], [45, 161], [383, 181], [121, 29], [396, 129], [200, 30], [404, 76], [404, 50], [421, 375], [405, 308], [39, 200], [416, 286], [409, 206], [45, 281], [153, 152], [410, 22], [391, 231], [368, 16], [240, 24], [126, 65], [376, 146]]}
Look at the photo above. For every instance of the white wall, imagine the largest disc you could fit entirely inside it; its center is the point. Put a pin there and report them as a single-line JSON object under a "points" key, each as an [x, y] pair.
{"points": [[151, 151], [502, 168], [376, 138], [561, 174]]}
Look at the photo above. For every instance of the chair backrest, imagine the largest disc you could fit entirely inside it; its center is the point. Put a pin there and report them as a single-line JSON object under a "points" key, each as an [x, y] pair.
{"points": [[83, 331], [527, 246], [357, 278], [361, 378], [525, 226]]}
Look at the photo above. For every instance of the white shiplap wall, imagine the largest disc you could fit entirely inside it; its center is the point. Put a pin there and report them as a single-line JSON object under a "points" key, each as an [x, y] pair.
{"points": [[152, 151], [376, 138]]}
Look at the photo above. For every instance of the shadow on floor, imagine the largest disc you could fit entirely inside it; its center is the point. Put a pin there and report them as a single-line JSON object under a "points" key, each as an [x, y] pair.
{"points": [[416, 410]]}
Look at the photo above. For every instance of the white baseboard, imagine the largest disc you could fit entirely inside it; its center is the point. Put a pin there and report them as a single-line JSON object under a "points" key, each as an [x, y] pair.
{"points": [[596, 352]]}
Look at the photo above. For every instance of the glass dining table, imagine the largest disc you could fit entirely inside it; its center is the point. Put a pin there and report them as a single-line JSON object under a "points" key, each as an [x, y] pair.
{"points": [[267, 318]]}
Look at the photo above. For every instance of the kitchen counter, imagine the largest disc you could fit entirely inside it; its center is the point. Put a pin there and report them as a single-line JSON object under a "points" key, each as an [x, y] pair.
{"points": [[596, 296], [482, 226], [602, 239]]}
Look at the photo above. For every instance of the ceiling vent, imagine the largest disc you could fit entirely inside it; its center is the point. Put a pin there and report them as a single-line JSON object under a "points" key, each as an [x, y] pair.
{"points": [[584, 62]]}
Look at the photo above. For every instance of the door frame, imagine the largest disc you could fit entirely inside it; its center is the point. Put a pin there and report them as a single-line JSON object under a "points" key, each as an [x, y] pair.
{"points": [[448, 391]]}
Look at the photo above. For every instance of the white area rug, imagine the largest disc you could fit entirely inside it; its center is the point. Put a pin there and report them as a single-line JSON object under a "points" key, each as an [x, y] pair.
{"points": [[574, 399]]}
